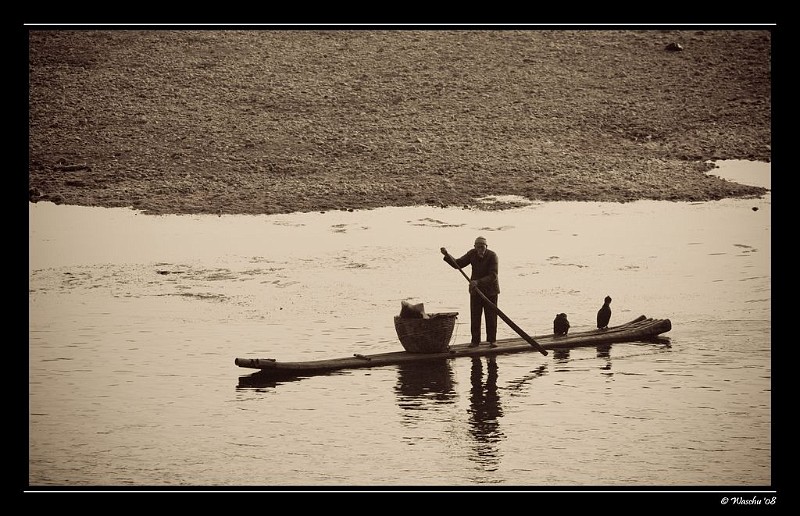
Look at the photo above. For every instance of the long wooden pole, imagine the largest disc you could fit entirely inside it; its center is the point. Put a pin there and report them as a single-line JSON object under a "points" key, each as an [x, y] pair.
{"points": [[503, 316]]}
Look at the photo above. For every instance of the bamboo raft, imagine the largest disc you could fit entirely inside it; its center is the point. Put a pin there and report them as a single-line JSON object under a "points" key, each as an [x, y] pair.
{"points": [[640, 329]]}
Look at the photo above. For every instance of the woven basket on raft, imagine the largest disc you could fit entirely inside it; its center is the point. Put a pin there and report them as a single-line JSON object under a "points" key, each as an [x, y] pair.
{"points": [[429, 335]]}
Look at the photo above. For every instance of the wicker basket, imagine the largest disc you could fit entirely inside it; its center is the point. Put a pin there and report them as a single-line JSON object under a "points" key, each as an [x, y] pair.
{"points": [[430, 335]]}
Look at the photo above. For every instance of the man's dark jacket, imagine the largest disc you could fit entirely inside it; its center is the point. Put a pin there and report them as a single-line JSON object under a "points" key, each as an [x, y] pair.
{"points": [[484, 270]]}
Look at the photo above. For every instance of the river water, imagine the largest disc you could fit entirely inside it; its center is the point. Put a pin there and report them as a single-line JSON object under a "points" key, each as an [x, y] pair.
{"points": [[135, 322]]}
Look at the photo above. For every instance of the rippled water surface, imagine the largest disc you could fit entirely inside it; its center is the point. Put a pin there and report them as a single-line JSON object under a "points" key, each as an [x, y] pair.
{"points": [[135, 322]]}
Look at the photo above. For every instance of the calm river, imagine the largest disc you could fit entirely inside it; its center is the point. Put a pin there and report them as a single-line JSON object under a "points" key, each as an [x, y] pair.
{"points": [[135, 322]]}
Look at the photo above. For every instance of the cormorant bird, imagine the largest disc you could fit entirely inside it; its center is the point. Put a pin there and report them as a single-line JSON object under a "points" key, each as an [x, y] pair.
{"points": [[604, 314], [560, 324]]}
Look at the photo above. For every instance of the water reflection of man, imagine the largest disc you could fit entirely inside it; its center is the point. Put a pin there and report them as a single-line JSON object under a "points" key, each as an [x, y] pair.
{"points": [[485, 411]]}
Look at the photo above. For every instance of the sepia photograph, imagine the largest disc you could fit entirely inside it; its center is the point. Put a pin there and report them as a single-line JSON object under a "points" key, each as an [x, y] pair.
{"points": [[399, 258]]}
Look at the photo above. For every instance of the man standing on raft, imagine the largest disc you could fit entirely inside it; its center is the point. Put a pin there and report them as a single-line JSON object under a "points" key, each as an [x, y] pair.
{"points": [[484, 277]]}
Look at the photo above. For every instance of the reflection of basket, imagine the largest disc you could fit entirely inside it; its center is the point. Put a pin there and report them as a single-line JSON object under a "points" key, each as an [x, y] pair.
{"points": [[431, 335]]}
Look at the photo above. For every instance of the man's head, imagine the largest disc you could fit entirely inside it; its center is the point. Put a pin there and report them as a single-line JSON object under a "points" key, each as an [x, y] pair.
{"points": [[480, 246]]}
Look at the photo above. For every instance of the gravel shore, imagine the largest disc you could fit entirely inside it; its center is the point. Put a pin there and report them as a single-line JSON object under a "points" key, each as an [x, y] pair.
{"points": [[280, 121]]}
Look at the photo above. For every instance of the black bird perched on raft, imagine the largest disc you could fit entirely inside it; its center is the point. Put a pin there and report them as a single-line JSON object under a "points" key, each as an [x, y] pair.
{"points": [[604, 314], [560, 324]]}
